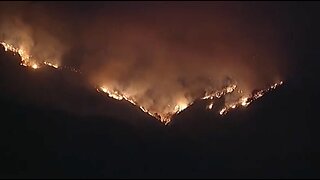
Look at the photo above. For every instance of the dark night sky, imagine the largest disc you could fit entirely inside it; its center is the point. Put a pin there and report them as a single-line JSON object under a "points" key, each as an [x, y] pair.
{"points": [[275, 137]]}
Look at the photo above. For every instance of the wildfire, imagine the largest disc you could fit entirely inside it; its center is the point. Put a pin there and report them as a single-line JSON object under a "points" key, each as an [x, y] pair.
{"points": [[219, 94], [26, 58], [163, 117], [180, 106], [112, 94], [245, 101], [172, 109]]}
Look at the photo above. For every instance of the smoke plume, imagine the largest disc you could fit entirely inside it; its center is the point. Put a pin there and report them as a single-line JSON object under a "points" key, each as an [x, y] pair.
{"points": [[162, 55]]}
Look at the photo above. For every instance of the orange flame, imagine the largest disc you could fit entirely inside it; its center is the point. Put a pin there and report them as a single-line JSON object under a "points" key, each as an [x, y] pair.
{"points": [[164, 117], [26, 58]]}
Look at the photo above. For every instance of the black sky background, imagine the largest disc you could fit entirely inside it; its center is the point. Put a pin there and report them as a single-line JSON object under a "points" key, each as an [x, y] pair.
{"points": [[275, 137]]}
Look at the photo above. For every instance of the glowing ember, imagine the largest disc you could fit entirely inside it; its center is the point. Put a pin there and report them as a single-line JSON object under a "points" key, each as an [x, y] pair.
{"points": [[244, 101], [223, 111], [50, 64], [210, 106], [35, 66], [143, 109]]}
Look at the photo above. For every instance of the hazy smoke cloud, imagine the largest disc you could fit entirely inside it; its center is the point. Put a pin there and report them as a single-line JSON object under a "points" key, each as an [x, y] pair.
{"points": [[159, 53]]}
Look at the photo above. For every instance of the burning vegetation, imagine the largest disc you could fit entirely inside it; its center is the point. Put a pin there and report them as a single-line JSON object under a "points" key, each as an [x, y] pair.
{"points": [[161, 57], [172, 109]]}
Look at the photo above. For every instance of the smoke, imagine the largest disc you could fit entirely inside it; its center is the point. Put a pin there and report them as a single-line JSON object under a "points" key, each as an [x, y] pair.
{"points": [[161, 54]]}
